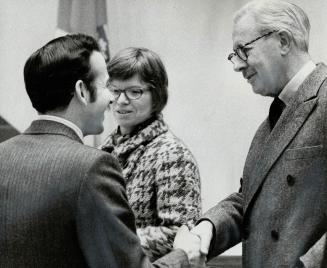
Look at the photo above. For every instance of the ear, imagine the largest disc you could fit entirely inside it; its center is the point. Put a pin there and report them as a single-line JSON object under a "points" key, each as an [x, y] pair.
{"points": [[82, 94], [285, 38]]}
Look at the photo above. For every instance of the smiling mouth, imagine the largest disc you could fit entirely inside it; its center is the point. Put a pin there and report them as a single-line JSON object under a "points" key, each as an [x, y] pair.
{"points": [[123, 112], [249, 77]]}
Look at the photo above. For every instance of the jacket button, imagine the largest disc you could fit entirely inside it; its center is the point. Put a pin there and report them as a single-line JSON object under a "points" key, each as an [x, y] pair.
{"points": [[274, 235], [290, 180]]}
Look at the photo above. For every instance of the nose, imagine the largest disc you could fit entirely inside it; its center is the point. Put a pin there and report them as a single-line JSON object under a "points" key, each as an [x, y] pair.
{"points": [[122, 99], [238, 64]]}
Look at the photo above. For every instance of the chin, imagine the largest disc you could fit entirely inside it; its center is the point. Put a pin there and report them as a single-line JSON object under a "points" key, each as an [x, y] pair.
{"points": [[123, 123], [260, 91], [257, 91], [96, 130], [100, 130]]}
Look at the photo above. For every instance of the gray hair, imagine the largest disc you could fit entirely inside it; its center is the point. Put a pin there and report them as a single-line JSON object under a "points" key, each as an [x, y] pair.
{"points": [[279, 15]]}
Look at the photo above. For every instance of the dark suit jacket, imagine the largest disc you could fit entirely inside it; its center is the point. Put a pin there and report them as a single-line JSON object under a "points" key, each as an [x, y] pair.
{"points": [[280, 214], [63, 204]]}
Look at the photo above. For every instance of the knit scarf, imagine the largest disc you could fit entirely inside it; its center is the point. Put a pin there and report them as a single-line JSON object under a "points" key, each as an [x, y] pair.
{"points": [[121, 146]]}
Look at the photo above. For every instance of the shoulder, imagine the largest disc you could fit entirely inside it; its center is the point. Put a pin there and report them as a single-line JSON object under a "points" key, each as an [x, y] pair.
{"points": [[93, 156], [82, 162], [168, 150], [101, 171], [89, 166], [318, 78], [172, 145]]}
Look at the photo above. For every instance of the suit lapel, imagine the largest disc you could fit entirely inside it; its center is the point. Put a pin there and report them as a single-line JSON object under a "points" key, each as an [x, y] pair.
{"points": [[255, 150], [293, 117], [51, 127]]}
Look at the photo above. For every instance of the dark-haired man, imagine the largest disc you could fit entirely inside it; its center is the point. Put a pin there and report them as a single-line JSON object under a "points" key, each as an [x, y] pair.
{"points": [[61, 204]]}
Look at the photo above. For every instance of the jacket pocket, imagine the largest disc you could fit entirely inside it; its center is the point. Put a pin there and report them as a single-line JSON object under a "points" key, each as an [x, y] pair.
{"points": [[304, 152]]}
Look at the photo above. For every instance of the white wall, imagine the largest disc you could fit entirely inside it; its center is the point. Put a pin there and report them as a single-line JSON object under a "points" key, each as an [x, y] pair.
{"points": [[210, 107], [24, 26]]}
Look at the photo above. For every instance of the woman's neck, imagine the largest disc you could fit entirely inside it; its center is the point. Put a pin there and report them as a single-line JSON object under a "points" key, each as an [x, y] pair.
{"points": [[126, 130]]}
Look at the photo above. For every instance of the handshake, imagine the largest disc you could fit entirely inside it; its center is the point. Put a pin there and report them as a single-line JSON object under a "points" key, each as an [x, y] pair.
{"points": [[195, 242]]}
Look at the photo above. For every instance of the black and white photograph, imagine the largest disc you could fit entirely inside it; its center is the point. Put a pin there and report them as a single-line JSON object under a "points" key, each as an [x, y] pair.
{"points": [[163, 133]]}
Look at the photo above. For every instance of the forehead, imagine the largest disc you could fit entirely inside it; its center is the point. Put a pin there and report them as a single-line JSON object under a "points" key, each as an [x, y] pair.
{"points": [[244, 30], [135, 80]]}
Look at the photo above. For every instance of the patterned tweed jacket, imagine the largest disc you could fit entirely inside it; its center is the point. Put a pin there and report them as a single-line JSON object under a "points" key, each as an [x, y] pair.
{"points": [[162, 180]]}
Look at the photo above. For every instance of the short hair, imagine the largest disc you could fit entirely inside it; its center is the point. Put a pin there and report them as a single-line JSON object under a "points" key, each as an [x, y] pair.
{"points": [[52, 71], [148, 66], [277, 15]]}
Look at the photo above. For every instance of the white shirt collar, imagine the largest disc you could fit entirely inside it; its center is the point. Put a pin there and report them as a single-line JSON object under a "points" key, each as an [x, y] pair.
{"points": [[292, 86], [63, 121]]}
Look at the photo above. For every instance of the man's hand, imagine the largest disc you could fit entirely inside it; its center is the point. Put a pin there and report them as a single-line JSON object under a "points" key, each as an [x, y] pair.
{"points": [[190, 243], [204, 231]]}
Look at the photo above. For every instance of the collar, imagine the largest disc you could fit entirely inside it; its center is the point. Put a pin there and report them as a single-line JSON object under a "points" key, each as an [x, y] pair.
{"points": [[137, 129], [63, 121], [122, 147], [292, 86]]}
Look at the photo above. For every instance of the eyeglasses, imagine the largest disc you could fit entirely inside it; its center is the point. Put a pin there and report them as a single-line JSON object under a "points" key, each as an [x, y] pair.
{"points": [[241, 51], [131, 93]]}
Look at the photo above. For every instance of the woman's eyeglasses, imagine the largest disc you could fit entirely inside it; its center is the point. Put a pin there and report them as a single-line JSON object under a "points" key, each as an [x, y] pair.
{"points": [[131, 93]]}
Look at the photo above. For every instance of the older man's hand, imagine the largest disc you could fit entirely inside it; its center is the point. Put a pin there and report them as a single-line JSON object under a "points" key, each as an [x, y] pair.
{"points": [[205, 231], [190, 243]]}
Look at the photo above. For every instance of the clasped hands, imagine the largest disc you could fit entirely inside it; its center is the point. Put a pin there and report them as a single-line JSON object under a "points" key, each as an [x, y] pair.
{"points": [[195, 242]]}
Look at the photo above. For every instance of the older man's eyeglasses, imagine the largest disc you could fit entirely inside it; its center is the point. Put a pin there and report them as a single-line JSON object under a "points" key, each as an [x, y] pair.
{"points": [[131, 93], [242, 51]]}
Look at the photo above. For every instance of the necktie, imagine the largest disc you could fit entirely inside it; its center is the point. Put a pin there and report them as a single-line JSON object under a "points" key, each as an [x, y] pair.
{"points": [[275, 111]]}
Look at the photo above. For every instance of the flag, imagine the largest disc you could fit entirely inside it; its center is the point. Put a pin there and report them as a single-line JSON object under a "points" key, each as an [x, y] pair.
{"points": [[85, 16]]}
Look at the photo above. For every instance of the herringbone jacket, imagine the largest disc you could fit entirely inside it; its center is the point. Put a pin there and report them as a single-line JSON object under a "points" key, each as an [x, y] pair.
{"points": [[63, 204]]}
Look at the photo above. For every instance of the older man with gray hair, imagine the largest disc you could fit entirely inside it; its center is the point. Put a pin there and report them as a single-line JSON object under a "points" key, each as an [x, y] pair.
{"points": [[279, 214]]}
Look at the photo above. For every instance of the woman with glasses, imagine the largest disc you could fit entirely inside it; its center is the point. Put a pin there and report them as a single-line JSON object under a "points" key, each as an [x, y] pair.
{"points": [[162, 177]]}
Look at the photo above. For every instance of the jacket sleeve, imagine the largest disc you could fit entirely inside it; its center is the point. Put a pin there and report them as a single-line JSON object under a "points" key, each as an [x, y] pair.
{"points": [[106, 225], [226, 217], [178, 202]]}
